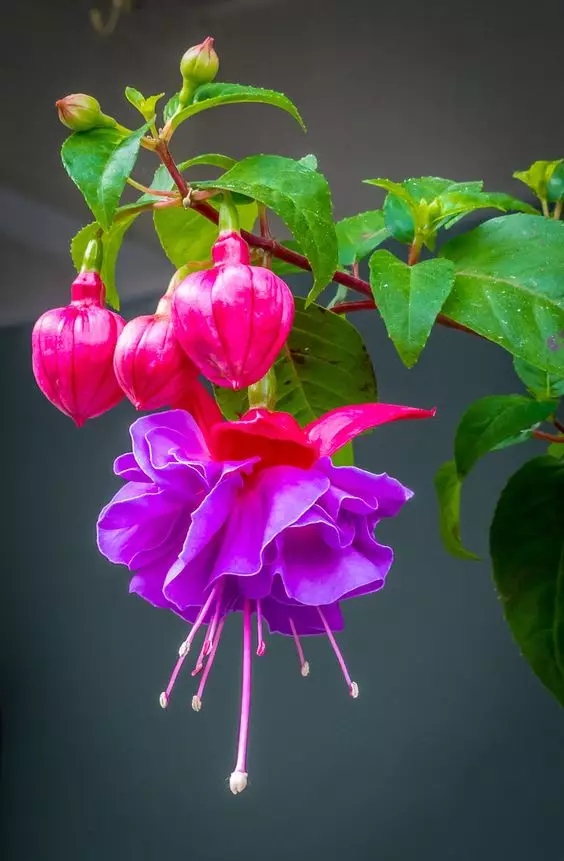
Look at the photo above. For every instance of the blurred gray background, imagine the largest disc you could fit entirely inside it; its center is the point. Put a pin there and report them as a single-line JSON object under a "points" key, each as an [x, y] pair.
{"points": [[453, 752]]}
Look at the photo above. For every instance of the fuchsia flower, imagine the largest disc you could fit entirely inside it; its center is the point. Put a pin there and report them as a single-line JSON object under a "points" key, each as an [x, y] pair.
{"points": [[232, 320], [254, 518], [73, 352], [150, 365]]}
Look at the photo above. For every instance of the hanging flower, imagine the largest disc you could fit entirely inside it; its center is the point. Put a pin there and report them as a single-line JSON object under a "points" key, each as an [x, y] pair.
{"points": [[232, 320], [73, 352], [254, 518]]}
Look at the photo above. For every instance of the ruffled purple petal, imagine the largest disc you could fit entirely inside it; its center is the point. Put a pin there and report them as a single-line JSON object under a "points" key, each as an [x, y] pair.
{"points": [[272, 502], [169, 447], [362, 492], [315, 573], [136, 527], [125, 466]]}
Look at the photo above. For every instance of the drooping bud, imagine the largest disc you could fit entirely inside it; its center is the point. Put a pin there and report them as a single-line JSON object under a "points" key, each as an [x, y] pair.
{"points": [[73, 350], [232, 320], [199, 65], [81, 113], [151, 367]]}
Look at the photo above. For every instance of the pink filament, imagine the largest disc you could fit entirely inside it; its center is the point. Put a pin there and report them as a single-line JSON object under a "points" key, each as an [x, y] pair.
{"points": [[209, 664], [337, 651], [241, 764], [208, 641], [261, 645], [188, 642], [301, 656]]}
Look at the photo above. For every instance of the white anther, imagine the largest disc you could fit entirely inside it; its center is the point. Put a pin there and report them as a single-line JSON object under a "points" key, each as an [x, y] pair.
{"points": [[238, 782], [196, 703], [354, 690], [184, 649], [305, 669], [163, 700]]}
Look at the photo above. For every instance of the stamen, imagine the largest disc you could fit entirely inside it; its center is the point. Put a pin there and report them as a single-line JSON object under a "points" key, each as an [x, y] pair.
{"points": [[238, 778], [197, 698], [304, 665], [185, 648], [208, 641], [261, 645], [352, 686]]}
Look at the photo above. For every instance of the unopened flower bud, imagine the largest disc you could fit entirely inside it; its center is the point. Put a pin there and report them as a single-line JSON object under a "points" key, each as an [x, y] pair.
{"points": [[81, 113], [151, 367], [73, 350], [232, 320], [199, 65]]}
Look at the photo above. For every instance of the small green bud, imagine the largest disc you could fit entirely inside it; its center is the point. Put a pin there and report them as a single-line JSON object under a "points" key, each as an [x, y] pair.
{"points": [[199, 65], [81, 113]]}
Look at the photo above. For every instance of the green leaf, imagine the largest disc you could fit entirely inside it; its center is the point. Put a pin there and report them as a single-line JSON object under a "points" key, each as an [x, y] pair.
{"points": [[359, 235], [399, 218], [492, 422], [556, 449], [527, 551], [111, 244], [281, 267], [448, 486], [409, 299], [146, 106], [537, 176], [99, 163], [171, 108], [134, 97], [396, 188], [543, 386], [455, 205], [341, 294], [214, 159], [300, 196], [187, 236], [325, 366], [555, 185], [510, 288], [344, 456], [213, 95]]}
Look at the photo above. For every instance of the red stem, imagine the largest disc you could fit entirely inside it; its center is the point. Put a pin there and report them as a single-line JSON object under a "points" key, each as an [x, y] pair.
{"points": [[549, 437], [347, 307], [558, 425]]}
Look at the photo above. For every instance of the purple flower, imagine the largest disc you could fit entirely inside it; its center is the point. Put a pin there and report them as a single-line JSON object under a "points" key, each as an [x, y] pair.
{"points": [[256, 519]]}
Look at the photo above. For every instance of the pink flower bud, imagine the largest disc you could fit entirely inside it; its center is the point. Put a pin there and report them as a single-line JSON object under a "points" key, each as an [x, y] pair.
{"points": [[73, 351], [150, 365], [81, 113], [232, 320]]}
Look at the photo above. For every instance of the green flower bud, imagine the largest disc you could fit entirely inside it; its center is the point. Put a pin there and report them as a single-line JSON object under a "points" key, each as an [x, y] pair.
{"points": [[199, 65], [81, 113]]}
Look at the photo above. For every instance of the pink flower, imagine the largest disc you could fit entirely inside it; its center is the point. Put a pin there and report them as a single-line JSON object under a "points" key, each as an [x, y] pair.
{"points": [[73, 351], [232, 320], [150, 365]]}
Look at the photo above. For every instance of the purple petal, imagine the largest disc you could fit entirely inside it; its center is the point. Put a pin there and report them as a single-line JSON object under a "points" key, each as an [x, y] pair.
{"points": [[314, 573], [135, 528], [307, 620], [169, 447], [125, 466], [362, 492], [274, 500]]}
